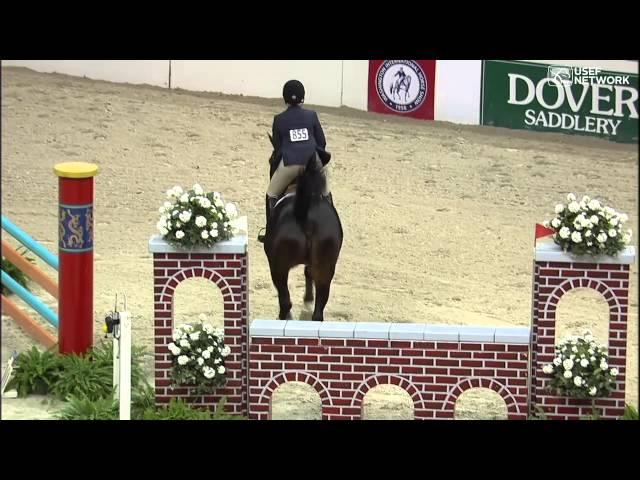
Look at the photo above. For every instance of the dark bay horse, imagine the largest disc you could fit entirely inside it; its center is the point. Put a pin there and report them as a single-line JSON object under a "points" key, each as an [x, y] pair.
{"points": [[304, 229]]}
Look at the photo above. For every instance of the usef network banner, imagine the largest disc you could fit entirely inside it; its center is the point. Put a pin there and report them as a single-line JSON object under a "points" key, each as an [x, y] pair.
{"points": [[583, 101], [402, 87]]}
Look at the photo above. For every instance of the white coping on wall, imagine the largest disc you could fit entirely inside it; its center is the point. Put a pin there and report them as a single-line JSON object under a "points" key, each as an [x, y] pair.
{"points": [[550, 252], [388, 331]]}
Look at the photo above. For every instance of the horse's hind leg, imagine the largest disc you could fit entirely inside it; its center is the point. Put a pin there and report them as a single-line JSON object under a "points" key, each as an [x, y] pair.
{"points": [[280, 280], [322, 297], [322, 278], [308, 285]]}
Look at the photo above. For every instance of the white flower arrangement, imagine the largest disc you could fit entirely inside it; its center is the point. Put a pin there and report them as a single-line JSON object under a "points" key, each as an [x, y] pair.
{"points": [[195, 218], [198, 352], [589, 228], [581, 368]]}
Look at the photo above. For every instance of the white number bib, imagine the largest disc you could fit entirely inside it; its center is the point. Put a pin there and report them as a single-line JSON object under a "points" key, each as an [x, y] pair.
{"points": [[299, 135]]}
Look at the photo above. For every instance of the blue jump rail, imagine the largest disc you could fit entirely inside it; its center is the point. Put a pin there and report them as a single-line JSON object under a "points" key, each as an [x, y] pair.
{"points": [[30, 243], [33, 301]]}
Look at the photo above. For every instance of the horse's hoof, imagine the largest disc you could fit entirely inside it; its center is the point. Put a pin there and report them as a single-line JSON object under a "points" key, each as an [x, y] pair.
{"points": [[288, 316], [307, 300]]}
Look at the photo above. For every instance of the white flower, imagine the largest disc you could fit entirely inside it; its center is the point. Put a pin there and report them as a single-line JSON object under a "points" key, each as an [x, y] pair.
{"points": [[174, 348], [603, 365], [576, 237], [547, 369], [184, 198], [204, 234], [183, 360], [608, 212], [206, 354], [184, 217], [577, 381], [592, 391], [594, 219], [226, 351], [557, 361], [623, 218], [589, 244], [216, 361], [221, 369], [231, 209], [209, 372], [584, 362], [198, 190], [612, 233], [594, 204], [556, 222], [571, 197], [587, 233], [218, 203], [574, 349], [568, 374], [201, 221], [593, 359], [574, 207], [626, 238], [168, 206], [200, 361], [567, 364], [614, 221], [614, 371], [213, 233], [559, 208], [179, 234], [184, 343], [195, 335], [602, 237], [564, 232]]}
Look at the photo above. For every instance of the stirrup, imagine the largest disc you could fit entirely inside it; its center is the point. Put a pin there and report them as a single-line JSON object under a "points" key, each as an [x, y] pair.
{"points": [[261, 237]]}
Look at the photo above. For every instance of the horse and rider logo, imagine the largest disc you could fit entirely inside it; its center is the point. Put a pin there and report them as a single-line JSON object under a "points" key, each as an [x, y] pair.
{"points": [[401, 85]]}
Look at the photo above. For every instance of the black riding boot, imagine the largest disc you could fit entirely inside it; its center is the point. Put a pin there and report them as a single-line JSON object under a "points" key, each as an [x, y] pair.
{"points": [[269, 204]]}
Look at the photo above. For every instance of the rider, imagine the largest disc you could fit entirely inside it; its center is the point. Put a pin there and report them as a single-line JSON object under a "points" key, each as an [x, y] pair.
{"points": [[297, 135], [400, 73]]}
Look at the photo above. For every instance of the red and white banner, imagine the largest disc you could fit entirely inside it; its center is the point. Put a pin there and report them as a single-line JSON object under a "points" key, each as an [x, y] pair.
{"points": [[402, 87]]}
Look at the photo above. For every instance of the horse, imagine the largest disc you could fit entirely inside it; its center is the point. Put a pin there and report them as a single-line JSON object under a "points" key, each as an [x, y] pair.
{"points": [[399, 85], [304, 229]]}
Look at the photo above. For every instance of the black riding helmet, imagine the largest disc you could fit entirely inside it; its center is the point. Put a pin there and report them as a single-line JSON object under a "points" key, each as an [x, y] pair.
{"points": [[293, 92]]}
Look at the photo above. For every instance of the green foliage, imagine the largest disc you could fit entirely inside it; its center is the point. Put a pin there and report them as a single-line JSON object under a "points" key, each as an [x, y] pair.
{"points": [[14, 272], [82, 408], [630, 413], [89, 376], [178, 409], [35, 372], [81, 376]]}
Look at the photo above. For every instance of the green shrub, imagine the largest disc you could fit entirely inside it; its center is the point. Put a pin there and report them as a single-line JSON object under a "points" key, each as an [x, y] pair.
{"points": [[630, 413], [35, 372], [81, 408]]}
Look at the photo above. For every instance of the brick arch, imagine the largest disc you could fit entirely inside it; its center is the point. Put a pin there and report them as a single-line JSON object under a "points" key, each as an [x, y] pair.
{"points": [[397, 380], [449, 403], [570, 284], [267, 392], [169, 287]]}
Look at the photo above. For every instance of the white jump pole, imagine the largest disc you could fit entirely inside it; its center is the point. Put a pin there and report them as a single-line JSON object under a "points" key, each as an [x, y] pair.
{"points": [[124, 370]]}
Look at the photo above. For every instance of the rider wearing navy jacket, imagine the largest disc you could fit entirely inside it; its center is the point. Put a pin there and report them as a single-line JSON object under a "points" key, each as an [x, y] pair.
{"points": [[297, 135]]}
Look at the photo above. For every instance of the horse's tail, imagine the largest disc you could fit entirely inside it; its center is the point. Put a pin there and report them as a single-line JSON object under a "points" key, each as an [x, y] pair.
{"points": [[311, 184]]}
